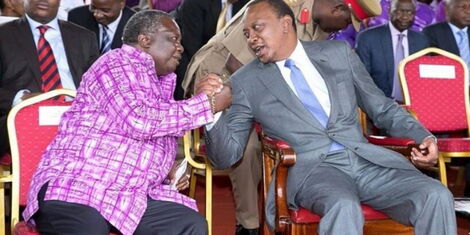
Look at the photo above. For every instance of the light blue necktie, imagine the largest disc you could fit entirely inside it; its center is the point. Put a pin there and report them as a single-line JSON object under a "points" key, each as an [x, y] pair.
{"points": [[463, 46], [308, 98], [105, 42], [399, 55]]}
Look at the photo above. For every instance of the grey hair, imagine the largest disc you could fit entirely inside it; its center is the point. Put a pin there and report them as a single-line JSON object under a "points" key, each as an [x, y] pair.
{"points": [[144, 22]]}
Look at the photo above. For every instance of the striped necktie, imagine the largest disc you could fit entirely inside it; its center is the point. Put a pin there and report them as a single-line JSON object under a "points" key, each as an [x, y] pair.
{"points": [[308, 98], [47, 65], [397, 93], [105, 42], [463, 45]]}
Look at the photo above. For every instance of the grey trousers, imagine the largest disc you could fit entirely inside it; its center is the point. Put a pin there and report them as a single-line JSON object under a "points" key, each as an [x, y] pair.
{"points": [[245, 178], [343, 180]]}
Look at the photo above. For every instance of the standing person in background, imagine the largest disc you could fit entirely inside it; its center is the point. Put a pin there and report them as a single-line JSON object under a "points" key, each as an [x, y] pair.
{"points": [[228, 50], [198, 20], [382, 48], [116, 145], [106, 18], [39, 53]]}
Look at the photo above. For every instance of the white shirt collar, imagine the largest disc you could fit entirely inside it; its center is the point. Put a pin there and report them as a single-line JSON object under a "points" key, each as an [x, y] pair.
{"points": [[395, 31], [455, 29], [53, 24], [299, 56], [113, 25]]}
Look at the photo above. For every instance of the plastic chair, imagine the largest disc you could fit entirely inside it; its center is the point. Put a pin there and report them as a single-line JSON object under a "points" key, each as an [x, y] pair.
{"points": [[435, 88]]}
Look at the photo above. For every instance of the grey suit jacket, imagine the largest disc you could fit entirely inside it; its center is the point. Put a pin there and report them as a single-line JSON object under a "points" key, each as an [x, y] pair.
{"points": [[261, 94]]}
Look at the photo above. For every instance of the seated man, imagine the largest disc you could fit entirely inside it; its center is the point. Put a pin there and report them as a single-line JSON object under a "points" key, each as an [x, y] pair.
{"points": [[307, 94], [116, 145]]}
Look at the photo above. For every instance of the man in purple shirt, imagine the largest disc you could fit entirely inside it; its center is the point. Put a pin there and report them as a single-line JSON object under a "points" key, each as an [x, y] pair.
{"points": [[115, 148]]}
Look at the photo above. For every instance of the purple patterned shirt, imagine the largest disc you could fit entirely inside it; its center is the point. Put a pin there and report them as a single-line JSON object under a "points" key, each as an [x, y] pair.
{"points": [[117, 142]]}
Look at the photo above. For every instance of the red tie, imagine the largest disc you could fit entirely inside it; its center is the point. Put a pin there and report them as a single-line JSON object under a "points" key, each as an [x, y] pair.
{"points": [[47, 66]]}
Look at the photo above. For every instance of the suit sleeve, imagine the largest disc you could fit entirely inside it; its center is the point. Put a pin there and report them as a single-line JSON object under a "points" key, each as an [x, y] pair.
{"points": [[383, 111], [93, 50], [226, 141]]}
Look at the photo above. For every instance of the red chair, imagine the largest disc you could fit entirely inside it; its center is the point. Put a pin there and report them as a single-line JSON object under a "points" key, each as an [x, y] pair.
{"points": [[279, 156], [435, 88], [28, 140]]}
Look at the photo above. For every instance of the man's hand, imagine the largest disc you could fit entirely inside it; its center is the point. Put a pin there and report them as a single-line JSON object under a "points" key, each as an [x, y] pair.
{"points": [[30, 95], [425, 161], [211, 84], [183, 183], [223, 99]]}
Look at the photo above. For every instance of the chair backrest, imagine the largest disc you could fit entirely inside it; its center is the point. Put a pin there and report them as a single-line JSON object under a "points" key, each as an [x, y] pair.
{"points": [[32, 124], [435, 87]]}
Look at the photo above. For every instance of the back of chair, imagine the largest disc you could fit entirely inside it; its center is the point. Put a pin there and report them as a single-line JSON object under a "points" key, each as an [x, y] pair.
{"points": [[32, 125], [435, 87]]}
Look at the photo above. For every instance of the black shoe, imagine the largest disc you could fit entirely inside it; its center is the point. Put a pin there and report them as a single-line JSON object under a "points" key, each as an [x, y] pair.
{"points": [[240, 230]]}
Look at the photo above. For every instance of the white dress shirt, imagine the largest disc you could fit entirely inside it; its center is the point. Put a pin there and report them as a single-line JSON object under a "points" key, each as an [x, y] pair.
{"points": [[111, 29], [394, 33], [314, 79], [54, 37]]}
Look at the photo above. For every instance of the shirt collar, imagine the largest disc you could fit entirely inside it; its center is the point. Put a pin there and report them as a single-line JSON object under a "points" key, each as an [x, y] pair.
{"points": [[53, 24], [299, 56], [395, 31], [455, 29], [113, 25]]}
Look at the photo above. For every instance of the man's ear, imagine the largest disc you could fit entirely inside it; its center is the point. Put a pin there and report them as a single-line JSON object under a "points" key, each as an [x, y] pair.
{"points": [[122, 4], [144, 40], [286, 22]]}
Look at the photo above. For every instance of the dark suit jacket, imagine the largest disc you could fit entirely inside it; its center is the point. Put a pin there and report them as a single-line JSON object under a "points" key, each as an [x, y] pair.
{"points": [[197, 20], [440, 35], [374, 47], [19, 66], [83, 17], [261, 94]]}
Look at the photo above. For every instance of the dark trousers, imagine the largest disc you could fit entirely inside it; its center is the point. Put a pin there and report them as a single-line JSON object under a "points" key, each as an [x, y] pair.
{"points": [[161, 217]]}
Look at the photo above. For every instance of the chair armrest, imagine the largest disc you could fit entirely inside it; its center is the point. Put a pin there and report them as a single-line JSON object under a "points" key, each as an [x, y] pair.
{"points": [[284, 157]]}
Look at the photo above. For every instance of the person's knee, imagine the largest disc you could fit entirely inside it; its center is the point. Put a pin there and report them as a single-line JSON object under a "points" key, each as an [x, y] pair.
{"points": [[440, 193], [197, 224]]}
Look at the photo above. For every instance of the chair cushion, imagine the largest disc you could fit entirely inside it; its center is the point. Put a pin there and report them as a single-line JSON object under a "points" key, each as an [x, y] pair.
{"points": [[22, 228], [304, 216], [382, 140], [454, 144]]}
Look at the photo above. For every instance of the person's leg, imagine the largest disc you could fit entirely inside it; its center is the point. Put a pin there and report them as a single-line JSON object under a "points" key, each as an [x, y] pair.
{"points": [[407, 196], [58, 217], [330, 192], [245, 179], [170, 218]]}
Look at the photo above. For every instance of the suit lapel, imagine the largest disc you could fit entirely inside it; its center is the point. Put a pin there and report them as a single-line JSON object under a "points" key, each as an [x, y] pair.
{"points": [[323, 66], [27, 41], [71, 49], [387, 49], [448, 38], [278, 87]]}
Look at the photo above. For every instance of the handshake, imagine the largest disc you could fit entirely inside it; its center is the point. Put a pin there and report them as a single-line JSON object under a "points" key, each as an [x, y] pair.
{"points": [[219, 93]]}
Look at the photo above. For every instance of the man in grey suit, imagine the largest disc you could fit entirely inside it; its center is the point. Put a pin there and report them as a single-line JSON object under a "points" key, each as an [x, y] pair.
{"points": [[307, 94]]}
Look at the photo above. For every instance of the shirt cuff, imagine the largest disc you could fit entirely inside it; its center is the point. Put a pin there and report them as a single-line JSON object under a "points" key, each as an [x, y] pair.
{"points": [[216, 118], [17, 99]]}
